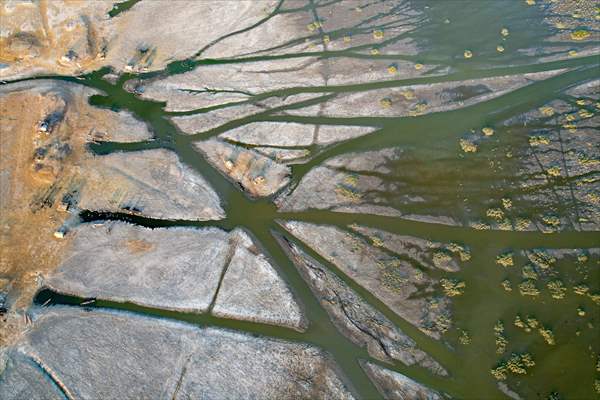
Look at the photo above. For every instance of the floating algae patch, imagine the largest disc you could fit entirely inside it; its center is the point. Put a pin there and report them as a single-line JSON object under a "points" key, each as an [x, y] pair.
{"points": [[307, 199]]}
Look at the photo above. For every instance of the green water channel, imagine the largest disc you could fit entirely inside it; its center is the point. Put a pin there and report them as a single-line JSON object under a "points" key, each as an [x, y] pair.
{"points": [[567, 367]]}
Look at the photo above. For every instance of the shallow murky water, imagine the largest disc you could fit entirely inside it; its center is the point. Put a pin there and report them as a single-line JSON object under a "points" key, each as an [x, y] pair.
{"points": [[432, 177]]}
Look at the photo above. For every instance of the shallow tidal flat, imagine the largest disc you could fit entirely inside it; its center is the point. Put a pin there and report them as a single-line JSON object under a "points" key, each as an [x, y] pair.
{"points": [[299, 200]]}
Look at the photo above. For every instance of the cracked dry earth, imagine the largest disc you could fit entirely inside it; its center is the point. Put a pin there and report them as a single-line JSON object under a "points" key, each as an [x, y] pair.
{"points": [[299, 199]]}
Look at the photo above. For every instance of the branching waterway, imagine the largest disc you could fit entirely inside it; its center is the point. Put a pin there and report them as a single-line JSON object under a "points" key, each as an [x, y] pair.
{"points": [[487, 203]]}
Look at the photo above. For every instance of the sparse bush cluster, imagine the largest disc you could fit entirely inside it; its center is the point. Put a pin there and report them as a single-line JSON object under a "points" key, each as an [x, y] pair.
{"points": [[517, 364]]}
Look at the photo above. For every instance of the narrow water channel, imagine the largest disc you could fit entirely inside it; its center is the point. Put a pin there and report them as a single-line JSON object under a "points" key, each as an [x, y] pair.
{"points": [[433, 169]]}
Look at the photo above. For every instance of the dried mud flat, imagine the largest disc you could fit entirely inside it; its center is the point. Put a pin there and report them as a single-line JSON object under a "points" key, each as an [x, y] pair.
{"points": [[306, 200], [161, 358]]}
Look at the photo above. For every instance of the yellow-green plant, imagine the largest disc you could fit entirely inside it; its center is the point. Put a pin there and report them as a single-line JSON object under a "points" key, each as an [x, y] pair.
{"points": [[528, 288], [505, 259], [557, 289], [452, 287], [548, 335]]}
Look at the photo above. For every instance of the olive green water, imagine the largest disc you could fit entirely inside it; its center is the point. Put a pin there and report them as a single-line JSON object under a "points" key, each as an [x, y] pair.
{"points": [[567, 367]]}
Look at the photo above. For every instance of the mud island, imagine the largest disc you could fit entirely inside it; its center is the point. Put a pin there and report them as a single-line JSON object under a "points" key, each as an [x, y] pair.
{"points": [[290, 199]]}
